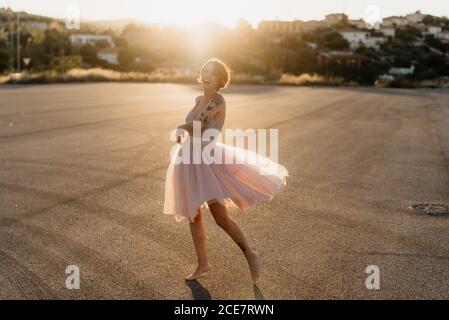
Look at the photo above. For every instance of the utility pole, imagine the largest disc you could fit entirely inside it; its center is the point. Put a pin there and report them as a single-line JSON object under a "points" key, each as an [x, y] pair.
{"points": [[10, 38], [18, 42]]}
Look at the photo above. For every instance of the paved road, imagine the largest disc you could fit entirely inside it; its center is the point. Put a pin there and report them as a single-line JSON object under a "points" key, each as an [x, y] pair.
{"points": [[82, 182]]}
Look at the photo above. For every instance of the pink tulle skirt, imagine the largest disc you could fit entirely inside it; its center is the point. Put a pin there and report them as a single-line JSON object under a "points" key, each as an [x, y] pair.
{"points": [[239, 179]]}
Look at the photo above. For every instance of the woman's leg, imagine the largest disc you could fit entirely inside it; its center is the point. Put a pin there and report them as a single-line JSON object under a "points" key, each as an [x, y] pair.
{"points": [[199, 240], [231, 227]]}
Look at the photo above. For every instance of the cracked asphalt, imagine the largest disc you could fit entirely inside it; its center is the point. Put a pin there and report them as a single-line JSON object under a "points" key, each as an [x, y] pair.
{"points": [[82, 172]]}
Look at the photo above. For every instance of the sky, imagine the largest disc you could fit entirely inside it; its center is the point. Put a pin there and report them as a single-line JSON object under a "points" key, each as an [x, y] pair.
{"points": [[225, 12]]}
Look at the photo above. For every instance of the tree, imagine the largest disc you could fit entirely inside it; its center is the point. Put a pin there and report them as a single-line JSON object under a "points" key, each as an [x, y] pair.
{"points": [[40, 59], [56, 43], [88, 53], [5, 56], [335, 41], [101, 44], [34, 49], [409, 34], [64, 64], [327, 39]]}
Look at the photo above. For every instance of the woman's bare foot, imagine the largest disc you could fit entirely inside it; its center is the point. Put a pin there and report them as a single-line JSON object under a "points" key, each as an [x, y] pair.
{"points": [[200, 270], [254, 265]]}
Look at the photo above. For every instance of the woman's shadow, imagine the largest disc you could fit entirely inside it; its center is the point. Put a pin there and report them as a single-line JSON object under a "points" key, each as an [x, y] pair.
{"points": [[258, 295], [198, 291], [201, 293]]}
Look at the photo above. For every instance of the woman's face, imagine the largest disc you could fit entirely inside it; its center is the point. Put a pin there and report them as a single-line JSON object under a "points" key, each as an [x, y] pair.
{"points": [[209, 77]]}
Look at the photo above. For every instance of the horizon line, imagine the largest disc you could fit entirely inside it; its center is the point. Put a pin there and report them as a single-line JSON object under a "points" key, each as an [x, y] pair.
{"points": [[186, 25]]}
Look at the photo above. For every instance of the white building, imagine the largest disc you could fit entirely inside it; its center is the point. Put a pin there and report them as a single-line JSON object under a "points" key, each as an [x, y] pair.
{"points": [[354, 37], [82, 39], [443, 36], [360, 24], [334, 18], [374, 42], [357, 38], [394, 21], [34, 25], [109, 55], [415, 17], [432, 30], [402, 71], [311, 45], [388, 31]]}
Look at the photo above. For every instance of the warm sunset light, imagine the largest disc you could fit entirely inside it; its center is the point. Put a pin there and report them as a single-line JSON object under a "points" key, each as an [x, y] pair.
{"points": [[183, 13], [238, 151]]}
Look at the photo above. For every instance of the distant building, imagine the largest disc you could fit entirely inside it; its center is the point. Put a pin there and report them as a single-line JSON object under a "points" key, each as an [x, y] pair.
{"points": [[357, 38], [443, 36], [394, 21], [360, 24], [35, 25], [109, 55], [374, 42], [354, 37], [334, 18], [432, 30], [410, 19], [415, 17], [341, 57], [280, 27], [401, 71], [278, 30], [420, 26], [388, 31], [309, 26], [311, 45], [82, 39]]}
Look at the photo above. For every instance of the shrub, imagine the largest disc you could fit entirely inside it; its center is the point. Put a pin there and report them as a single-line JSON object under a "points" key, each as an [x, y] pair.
{"points": [[310, 79], [64, 64]]}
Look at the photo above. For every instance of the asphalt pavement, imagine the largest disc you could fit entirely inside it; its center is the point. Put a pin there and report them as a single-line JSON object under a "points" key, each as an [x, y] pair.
{"points": [[82, 173]]}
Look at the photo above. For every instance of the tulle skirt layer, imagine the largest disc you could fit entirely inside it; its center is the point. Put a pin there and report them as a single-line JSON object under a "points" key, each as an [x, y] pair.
{"points": [[233, 176]]}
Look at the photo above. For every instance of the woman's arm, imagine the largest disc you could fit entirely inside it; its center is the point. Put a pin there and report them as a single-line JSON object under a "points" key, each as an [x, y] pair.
{"points": [[216, 105], [188, 126]]}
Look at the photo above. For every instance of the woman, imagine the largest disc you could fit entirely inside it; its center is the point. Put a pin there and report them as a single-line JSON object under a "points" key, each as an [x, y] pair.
{"points": [[189, 186]]}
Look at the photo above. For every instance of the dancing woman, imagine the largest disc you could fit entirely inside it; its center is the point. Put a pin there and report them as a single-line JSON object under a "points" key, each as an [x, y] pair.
{"points": [[190, 186]]}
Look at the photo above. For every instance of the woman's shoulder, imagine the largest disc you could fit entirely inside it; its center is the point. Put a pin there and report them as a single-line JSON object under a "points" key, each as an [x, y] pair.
{"points": [[219, 99]]}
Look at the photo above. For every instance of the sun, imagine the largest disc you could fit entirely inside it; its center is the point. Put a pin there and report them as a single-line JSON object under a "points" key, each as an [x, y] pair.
{"points": [[188, 13]]}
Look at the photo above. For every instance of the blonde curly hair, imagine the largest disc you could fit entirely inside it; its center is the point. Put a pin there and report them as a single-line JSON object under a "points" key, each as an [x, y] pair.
{"points": [[222, 70]]}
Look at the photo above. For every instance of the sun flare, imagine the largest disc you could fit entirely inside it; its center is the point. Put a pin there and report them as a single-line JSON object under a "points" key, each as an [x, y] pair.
{"points": [[189, 13]]}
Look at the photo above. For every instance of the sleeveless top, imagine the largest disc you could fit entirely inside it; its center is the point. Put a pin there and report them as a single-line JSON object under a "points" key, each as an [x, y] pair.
{"points": [[213, 114]]}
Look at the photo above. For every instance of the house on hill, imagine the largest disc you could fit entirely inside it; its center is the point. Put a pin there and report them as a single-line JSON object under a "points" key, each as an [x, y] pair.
{"points": [[340, 57], [82, 39]]}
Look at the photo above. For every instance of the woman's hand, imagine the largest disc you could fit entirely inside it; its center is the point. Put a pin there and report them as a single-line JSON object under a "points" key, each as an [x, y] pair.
{"points": [[180, 134], [182, 130]]}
